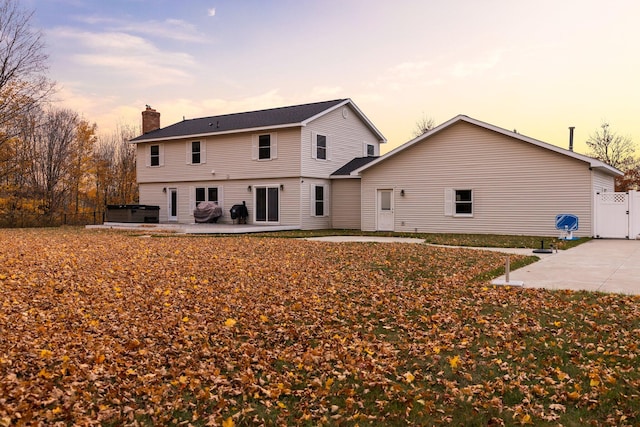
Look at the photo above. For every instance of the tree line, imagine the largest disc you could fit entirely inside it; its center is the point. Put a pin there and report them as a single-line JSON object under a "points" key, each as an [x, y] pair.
{"points": [[54, 167]]}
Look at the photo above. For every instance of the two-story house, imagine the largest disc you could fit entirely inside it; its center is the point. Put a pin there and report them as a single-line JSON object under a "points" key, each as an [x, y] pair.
{"points": [[278, 161]]}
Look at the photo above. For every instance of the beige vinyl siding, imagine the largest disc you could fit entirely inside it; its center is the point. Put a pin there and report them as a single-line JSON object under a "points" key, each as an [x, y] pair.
{"points": [[289, 198], [307, 220], [345, 204], [346, 139], [518, 188], [232, 193], [602, 182], [228, 157]]}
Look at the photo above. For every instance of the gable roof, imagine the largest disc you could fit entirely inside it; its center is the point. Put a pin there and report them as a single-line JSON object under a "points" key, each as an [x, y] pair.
{"points": [[273, 118], [593, 163], [354, 164]]}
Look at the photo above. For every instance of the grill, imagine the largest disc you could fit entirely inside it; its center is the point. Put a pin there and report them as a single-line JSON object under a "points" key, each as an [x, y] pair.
{"points": [[240, 213]]}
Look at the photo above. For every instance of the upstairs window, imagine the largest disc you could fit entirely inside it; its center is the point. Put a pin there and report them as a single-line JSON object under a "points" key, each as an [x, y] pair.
{"points": [[320, 146], [155, 155], [264, 147], [195, 152], [371, 150]]}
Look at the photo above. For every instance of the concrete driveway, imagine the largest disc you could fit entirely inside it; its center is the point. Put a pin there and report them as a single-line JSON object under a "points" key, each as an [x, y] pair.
{"points": [[604, 265]]}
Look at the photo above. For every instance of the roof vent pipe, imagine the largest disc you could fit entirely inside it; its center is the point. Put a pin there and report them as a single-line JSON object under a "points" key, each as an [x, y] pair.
{"points": [[571, 128]]}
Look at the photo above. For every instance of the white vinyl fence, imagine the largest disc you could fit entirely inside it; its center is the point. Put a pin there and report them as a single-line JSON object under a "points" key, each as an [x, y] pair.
{"points": [[617, 215]]}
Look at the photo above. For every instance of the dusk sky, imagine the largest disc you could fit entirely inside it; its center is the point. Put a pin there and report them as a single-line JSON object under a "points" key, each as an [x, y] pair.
{"points": [[537, 67]]}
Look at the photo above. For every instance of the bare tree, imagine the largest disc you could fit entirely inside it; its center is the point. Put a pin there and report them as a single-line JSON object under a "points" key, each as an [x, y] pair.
{"points": [[23, 64], [423, 125], [48, 139], [115, 166], [611, 148]]}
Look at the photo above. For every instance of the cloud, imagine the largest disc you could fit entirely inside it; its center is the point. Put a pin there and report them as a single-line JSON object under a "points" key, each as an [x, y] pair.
{"points": [[171, 29], [408, 74], [139, 60], [211, 12], [319, 93], [466, 69]]}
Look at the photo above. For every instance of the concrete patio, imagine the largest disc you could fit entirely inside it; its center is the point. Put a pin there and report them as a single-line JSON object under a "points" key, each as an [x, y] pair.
{"points": [[194, 228]]}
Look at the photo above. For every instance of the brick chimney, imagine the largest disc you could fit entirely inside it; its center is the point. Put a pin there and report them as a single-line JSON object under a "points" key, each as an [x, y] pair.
{"points": [[150, 120]]}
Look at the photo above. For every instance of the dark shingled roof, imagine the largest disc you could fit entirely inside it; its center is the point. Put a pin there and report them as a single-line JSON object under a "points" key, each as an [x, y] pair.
{"points": [[353, 165], [293, 115]]}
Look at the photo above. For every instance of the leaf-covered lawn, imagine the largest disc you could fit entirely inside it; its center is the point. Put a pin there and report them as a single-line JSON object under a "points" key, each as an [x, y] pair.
{"points": [[111, 329]]}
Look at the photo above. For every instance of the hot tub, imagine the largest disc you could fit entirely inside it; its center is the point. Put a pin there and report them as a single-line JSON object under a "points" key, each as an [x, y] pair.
{"points": [[133, 213]]}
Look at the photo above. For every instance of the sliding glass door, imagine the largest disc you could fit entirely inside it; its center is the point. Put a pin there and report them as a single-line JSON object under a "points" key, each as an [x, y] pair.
{"points": [[267, 204]]}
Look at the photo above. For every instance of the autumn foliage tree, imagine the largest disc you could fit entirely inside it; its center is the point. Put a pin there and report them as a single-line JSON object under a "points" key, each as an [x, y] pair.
{"points": [[53, 167], [115, 166]]}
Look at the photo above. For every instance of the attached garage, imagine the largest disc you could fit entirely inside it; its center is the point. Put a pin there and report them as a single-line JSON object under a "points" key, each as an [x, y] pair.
{"points": [[467, 176]]}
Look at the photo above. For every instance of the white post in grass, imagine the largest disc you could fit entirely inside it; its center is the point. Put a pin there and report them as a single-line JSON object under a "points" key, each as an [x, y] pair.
{"points": [[506, 281], [507, 266]]}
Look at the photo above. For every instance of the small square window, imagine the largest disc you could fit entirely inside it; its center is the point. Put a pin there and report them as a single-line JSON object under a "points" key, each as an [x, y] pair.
{"points": [[264, 147], [371, 150]]}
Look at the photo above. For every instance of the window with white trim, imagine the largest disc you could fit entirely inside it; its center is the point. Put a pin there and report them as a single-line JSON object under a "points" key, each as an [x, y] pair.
{"points": [[204, 194], [155, 155], [319, 200], [320, 146], [371, 150], [463, 202], [195, 152], [264, 147]]}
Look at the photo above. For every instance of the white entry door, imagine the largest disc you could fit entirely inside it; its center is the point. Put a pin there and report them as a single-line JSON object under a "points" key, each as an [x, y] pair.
{"points": [[385, 210], [172, 207]]}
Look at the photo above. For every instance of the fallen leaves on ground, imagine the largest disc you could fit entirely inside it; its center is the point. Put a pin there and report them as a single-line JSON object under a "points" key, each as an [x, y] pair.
{"points": [[107, 328]]}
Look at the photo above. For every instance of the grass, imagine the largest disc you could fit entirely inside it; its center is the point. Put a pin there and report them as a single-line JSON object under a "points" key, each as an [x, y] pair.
{"points": [[448, 239], [102, 328]]}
